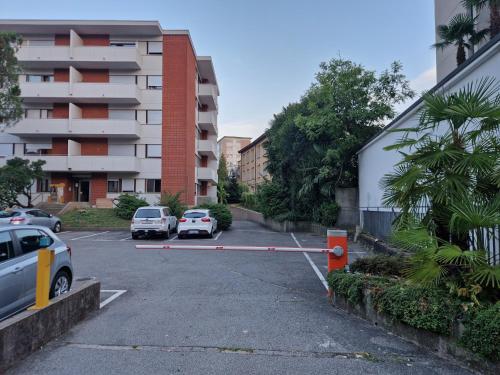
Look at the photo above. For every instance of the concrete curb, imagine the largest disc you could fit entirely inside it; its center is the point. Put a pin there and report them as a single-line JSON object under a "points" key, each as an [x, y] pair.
{"points": [[28, 331]]}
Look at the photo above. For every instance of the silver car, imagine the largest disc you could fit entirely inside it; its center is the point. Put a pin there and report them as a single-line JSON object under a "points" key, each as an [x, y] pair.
{"points": [[30, 216], [18, 264]]}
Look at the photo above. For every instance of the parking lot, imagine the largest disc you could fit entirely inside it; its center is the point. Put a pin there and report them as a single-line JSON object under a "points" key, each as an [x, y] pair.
{"points": [[215, 312]]}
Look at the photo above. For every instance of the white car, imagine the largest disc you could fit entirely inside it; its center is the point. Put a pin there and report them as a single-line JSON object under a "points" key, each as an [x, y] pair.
{"points": [[156, 220], [197, 222]]}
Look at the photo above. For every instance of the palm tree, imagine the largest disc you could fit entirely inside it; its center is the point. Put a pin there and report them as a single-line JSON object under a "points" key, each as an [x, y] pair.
{"points": [[494, 6], [461, 33]]}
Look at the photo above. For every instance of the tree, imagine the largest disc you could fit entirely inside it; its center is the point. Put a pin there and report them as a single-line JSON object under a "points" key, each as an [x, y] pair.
{"points": [[312, 144], [494, 6], [461, 33], [449, 175], [234, 190], [10, 102], [222, 179], [17, 178]]}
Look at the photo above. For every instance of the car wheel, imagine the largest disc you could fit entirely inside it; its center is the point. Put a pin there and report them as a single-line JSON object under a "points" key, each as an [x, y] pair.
{"points": [[57, 227], [167, 235], [60, 285], [211, 235], [135, 236]]}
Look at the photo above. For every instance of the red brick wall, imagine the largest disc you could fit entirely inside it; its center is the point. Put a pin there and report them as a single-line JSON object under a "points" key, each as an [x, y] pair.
{"points": [[94, 110], [60, 110], [61, 40], [95, 75], [95, 40], [204, 134], [59, 146], [94, 146], [204, 188], [98, 186], [61, 75], [204, 161], [178, 129]]}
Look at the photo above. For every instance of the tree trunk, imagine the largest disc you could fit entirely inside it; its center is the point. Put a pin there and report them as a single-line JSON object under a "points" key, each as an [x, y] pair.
{"points": [[494, 19], [460, 54]]}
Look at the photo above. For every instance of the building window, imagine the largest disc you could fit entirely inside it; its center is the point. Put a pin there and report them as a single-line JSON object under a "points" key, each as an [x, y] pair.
{"points": [[153, 117], [42, 185], [114, 186], [121, 150], [122, 114], [155, 48], [153, 151], [127, 44], [123, 79], [154, 82], [153, 186], [37, 78], [6, 149]]}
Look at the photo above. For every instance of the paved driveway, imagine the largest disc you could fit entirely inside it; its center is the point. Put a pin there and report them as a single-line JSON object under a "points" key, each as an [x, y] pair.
{"points": [[193, 312]]}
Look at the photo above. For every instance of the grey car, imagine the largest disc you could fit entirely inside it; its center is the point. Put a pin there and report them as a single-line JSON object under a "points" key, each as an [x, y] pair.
{"points": [[18, 264], [30, 216]]}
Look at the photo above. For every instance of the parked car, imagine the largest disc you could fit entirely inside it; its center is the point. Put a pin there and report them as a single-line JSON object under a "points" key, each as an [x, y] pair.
{"points": [[30, 216], [18, 265], [197, 222], [154, 220]]}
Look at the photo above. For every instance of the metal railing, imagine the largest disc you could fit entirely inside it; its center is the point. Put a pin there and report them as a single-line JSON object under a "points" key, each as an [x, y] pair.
{"points": [[379, 222]]}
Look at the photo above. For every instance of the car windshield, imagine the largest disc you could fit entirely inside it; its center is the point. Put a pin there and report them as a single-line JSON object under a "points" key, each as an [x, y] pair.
{"points": [[194, 215], [4, 214], [148, 213]]}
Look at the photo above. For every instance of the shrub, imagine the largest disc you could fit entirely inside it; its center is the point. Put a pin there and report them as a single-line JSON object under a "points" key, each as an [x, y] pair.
{"points": [[221, 213], [381, 265], [127, 204], [482, 333], [428, 308], [249, 200], [173, 202], [326, 214], [351, 285], [271, 199]]}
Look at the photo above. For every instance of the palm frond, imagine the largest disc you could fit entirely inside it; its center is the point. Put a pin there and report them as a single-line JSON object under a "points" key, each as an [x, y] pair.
{"points": [[452, 254], [487, 276]]}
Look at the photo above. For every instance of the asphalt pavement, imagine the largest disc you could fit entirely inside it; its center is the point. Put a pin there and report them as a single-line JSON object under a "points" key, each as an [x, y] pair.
{"points": [[219, 312]]}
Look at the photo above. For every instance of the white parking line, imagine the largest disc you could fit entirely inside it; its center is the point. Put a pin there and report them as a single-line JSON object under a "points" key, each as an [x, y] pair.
{"points": [[90, 235], [173, 238], [217, 237], [126, 238], [65, 231], [117, 293], [314, 267]]}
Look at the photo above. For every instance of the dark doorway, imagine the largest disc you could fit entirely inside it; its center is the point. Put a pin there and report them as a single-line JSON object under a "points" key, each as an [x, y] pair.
{"points": [[83, 190]]}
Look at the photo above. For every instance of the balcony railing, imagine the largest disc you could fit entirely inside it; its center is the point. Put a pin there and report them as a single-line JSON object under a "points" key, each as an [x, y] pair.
{"points": [[90, 57], [206, 174], [87, 163], [207, 148], [208, 121], [208, 94]]}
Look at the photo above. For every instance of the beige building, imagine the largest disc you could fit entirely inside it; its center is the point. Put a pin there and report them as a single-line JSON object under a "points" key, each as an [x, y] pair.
{"points": [[230, 147], [254, 163]]}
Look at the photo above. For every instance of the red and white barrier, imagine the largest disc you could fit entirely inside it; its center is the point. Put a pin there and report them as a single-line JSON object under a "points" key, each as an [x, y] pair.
{"points": [[235, 248]]}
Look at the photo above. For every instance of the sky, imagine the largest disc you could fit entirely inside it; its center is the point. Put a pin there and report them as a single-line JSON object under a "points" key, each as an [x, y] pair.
{"points": [[266, 53]]}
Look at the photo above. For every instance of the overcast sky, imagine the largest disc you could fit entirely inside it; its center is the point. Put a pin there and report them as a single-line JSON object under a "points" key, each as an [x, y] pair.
{"points": [[267, 52]]}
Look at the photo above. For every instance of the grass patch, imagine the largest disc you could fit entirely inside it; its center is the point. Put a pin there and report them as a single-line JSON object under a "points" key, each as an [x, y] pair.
{"points": [[94, 218]]}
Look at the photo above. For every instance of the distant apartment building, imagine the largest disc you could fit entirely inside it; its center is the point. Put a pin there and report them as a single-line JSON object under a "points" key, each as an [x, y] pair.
{"points": [[114, 107], [444, 11], [254, 163], [230, 147]]}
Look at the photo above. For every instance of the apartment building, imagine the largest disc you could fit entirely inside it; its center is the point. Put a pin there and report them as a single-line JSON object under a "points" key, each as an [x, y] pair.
{"points": [[444, 11], [115, 107], [230, 147], [253, 163]]}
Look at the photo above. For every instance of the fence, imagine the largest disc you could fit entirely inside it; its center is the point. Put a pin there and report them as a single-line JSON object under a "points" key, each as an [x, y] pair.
{"points": [[378, 222]]}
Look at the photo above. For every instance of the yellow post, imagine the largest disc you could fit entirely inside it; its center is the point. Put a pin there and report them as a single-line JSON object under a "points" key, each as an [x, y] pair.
{"points": [[45, 260]]}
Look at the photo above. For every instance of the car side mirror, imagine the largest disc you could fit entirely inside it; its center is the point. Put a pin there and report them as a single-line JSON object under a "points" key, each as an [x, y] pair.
{"points": [[45, 241], [50, 215]]}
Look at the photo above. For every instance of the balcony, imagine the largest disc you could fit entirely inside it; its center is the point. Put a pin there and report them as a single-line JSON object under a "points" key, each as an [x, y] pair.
{"points": [[208, 94], [208, 121], [104, 128], [207, 174], [29, 127], [207, 148], [53, 163], [89, 57], [105, 163], [63, 92]]}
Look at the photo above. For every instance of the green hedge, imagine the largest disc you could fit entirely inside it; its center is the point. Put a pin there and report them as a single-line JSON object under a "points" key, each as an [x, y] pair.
{"points": [[432, 309], [482, 332], [221, 213], [127, 204], [380, 265]]}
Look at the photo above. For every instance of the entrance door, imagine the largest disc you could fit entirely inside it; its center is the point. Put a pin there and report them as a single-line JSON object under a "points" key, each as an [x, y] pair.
{"points": [[83, 191]]}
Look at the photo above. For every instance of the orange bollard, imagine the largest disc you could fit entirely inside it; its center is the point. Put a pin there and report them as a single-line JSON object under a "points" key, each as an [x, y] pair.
{"points": [[337, 241]]}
